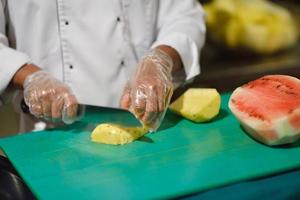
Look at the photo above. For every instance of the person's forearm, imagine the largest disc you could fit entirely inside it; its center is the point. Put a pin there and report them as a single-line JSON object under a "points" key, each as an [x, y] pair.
{"points": [[177, 62], [20, 76]]}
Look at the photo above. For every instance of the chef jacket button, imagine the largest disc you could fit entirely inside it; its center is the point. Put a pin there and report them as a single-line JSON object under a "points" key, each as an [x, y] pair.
{"points": [[118, 19], [66, 23], [122, 63], [71, 66]]}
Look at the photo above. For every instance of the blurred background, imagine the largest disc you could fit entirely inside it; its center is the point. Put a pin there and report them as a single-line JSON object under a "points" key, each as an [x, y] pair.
{"points": [[246, 39]]}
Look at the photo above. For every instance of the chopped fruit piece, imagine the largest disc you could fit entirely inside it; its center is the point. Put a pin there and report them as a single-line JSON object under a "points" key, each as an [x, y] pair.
{"points": [[117, 134], [269, 108], [198, 104]]}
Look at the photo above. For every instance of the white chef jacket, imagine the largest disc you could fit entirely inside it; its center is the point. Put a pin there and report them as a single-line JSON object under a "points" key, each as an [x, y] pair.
{"points": [[94, 46]]}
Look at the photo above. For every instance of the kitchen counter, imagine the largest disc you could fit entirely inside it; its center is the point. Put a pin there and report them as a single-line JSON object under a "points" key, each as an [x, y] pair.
{"points": [[226, 70]]}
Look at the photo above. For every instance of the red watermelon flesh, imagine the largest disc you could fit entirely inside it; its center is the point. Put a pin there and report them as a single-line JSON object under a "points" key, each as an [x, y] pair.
{"points": [[269, 108]]}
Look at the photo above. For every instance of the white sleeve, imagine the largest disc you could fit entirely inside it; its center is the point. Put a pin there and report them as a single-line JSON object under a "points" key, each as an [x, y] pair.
{"points": [[181, 25], [10, 59]]}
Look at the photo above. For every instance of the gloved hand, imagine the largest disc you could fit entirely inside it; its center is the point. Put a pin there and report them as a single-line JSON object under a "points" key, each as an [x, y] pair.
{"points": [[49, 98], [148, 93]]}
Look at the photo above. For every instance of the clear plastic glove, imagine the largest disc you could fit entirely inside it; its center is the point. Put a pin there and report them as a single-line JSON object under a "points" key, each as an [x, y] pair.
{"points": [[148, 93], [49, 98]]}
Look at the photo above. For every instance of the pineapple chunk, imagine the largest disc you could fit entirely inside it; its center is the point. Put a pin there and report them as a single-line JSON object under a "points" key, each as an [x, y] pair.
{"points": [[116, 134], [197, 104]]}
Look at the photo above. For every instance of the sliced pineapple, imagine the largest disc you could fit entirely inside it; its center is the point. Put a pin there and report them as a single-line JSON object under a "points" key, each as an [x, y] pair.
{"points": [[116, 134], [198, 104]]}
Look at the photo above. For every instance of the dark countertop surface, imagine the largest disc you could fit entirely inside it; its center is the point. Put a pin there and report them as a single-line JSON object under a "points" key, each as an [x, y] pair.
{"points": [[226, 70]]}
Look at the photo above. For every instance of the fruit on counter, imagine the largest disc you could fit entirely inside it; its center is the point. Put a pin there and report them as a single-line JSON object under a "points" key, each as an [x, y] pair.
{"points": [[256, 25], [116, 134], [269, 108], [198, 104]]}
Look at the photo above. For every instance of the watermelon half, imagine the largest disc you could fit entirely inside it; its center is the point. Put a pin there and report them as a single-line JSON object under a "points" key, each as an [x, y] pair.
{"points": [[269, 108]]}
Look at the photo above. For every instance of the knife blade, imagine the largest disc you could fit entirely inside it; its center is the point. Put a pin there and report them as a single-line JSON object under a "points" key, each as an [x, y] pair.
{"points": [[111, 115], [98, 114]]}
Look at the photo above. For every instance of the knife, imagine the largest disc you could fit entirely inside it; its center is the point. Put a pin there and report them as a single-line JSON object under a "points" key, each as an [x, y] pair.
{"points": [[108, 115]]}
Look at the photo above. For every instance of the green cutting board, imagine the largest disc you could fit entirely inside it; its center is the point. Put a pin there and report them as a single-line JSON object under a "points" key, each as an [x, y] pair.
{"points": [[181, 158]]}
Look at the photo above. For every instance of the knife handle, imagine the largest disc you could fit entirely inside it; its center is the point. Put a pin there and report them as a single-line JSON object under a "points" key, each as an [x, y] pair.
{"points": [[24, 107]]}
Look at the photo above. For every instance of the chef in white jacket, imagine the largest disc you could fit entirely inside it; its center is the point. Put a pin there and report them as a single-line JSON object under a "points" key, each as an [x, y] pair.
{"points": [[62, 53]]}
